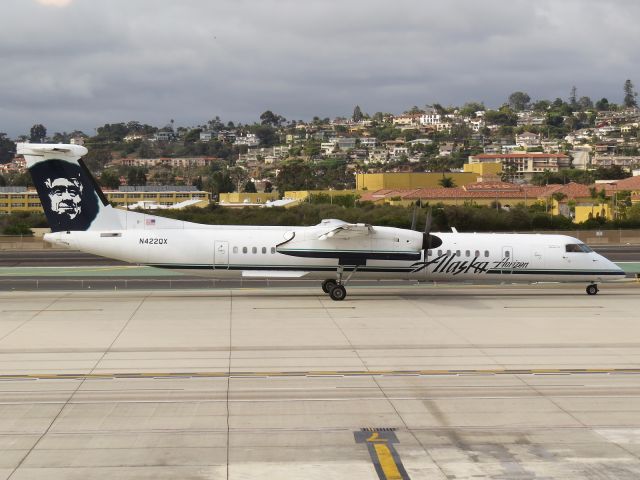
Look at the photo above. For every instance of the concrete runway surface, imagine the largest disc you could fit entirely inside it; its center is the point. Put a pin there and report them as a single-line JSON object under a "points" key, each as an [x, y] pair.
{"points": [[422, 382]]}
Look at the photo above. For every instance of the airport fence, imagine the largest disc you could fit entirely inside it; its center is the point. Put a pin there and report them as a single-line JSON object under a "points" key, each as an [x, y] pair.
{"points": [[25, 242], [590, 237]]}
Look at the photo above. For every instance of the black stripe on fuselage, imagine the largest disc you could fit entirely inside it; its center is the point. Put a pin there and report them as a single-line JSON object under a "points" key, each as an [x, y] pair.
{"points": [[347, 268], [377, 269]]}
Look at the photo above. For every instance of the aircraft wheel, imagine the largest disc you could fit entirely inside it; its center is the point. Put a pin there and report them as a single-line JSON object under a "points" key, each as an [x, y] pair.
{"points": [[592, 289], [338, 293], [328, 285]]}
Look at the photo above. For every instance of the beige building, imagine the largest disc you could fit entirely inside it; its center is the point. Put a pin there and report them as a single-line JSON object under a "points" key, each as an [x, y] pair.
{"points": [[525, 165], [247, 198]]}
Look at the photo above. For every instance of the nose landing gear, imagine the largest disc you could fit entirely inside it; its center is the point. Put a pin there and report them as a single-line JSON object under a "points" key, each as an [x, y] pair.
{"points": [[592, 289]]}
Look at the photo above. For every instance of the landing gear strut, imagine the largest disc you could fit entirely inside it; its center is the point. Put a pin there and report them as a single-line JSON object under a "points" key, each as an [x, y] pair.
{"points": [[592, 289], [335, 288]]}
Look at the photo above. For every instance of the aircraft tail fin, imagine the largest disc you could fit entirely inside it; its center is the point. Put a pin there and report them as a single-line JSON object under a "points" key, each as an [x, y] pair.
{"points": [[71, 198]]}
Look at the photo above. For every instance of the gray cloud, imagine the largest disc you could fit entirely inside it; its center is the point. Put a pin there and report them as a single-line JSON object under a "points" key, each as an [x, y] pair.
{"points": [[89, 62]]}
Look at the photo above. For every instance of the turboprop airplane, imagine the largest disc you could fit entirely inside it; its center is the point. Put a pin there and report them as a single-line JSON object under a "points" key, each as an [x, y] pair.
{"points": [[333, 251]]}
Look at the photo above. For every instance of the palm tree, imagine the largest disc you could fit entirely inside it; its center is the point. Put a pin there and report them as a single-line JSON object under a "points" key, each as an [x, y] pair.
{"points": [[447, 182]]}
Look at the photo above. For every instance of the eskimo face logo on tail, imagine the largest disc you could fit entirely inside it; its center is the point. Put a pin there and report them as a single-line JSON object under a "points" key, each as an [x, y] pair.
{"points": [[69, 201], [65, 195]]}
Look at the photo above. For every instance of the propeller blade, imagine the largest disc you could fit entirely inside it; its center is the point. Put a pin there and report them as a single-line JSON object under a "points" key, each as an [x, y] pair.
{"points": [[414, 219], [428, 221]]}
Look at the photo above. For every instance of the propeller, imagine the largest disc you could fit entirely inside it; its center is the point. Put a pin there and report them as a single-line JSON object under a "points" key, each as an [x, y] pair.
{"points": [[429, 241]]}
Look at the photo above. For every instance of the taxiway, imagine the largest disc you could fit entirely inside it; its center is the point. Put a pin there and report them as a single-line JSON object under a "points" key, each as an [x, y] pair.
{"points": [[420, 382]]}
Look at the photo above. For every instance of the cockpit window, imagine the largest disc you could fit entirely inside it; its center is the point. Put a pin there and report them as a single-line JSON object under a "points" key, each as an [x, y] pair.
{"points": [[578, 248]]}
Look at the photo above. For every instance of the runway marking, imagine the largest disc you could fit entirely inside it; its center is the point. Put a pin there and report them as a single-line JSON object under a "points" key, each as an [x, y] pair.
{"points": [[321, 373], [63, 310], [304, 308], [537, 307], [383, 454]]}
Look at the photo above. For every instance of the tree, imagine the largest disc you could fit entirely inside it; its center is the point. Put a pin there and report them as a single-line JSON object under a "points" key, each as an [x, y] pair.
{"points": [[357, 114], [110, 179], [97, 158], [471, 108], [447, 182], [137, 176], [7, 149], [630, 95], [192, 136], [271, 119], [222, 183], [37, 133], [519, 101], [414, 111], [249, 187], [502, 117], [295, 175], [602, 105], [585, 103], [266, 135]]}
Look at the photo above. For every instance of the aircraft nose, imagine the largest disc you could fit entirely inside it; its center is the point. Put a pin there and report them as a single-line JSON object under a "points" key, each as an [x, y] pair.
{"points": [[613, 267]]}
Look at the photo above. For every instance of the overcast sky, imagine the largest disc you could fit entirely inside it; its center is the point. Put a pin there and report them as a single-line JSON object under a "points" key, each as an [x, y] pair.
{"points": [[81, 63]]}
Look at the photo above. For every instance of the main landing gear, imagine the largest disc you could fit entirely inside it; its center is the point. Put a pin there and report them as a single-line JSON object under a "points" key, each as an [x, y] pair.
{"points": [[335, 288], [592, 289]]}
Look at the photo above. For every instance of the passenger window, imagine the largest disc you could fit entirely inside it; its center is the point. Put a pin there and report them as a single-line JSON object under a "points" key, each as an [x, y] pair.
{"points": [[235, 249], [273, 249], [448, 252], [254, 250], [429, 253], [467, 253], [457, 253], [264, 250], [507, 253], [244, 249], [477, 253], [486, 253]]}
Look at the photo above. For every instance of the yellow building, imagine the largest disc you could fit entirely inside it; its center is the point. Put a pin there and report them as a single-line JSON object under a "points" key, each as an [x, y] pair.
{"points": [[393, 180], [240, 197], [584, 212], [484, 169], [21, 199]]}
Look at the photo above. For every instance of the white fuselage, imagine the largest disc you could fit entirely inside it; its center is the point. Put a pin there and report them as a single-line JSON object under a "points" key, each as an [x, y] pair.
{"points": [[229, 251]]}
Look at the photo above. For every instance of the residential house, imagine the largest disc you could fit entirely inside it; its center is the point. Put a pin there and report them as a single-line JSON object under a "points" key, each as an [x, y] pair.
{"points": [[528, 139]]}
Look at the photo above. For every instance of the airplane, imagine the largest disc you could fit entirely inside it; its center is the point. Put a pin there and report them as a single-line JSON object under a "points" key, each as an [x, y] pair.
{"points": [[333, 251]]}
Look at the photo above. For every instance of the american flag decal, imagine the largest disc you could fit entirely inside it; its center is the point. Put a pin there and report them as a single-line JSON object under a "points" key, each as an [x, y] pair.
{"points": [[150, 221]]}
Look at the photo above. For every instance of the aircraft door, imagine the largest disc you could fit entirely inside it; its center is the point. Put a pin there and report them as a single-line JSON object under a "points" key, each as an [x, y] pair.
{"points": [[538, 259], [221, 255]]}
